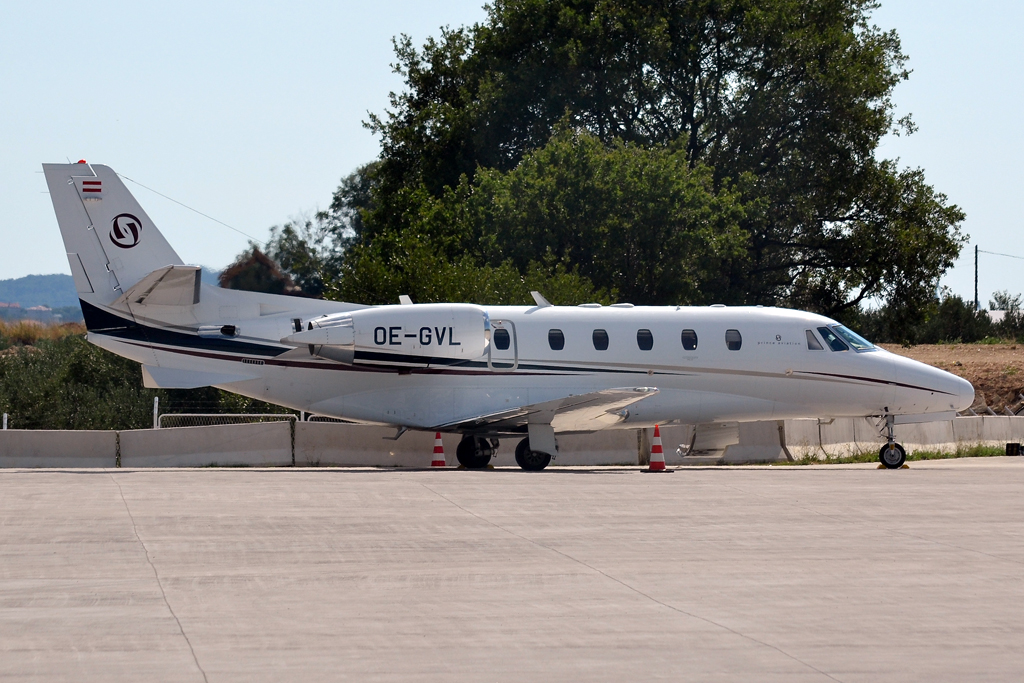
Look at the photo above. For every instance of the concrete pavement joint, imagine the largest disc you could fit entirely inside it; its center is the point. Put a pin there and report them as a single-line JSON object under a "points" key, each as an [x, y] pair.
{"points": [[159, 583], [632, 588]]}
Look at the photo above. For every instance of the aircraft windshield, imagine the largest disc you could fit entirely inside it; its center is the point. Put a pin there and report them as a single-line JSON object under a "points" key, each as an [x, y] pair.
{"points": [[853, 339]]}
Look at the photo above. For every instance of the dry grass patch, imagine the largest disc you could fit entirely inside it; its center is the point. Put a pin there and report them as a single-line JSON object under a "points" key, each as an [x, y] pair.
{"points": [[28, 332]]}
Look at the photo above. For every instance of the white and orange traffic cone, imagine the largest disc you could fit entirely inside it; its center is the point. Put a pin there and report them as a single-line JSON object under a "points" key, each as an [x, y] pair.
{"points": [[657, 463], [438, 460]]}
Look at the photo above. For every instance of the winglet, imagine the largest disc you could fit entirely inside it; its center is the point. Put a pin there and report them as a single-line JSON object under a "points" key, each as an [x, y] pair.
{"points": [[541, 301]]}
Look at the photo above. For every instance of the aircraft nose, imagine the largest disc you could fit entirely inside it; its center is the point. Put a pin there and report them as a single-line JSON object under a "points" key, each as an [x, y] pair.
{"points": [[966, 391], [961, 391], [927, 389]]}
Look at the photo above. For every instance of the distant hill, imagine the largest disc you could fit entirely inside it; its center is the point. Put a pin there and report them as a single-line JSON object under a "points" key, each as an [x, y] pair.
{"points": [[55, 291]]}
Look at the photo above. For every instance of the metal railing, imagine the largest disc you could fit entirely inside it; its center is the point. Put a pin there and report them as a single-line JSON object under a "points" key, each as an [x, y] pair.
{"points": [[207, 419]]}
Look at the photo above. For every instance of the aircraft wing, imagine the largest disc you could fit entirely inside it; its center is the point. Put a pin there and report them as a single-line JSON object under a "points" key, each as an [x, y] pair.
{"points": [[573, 413]]}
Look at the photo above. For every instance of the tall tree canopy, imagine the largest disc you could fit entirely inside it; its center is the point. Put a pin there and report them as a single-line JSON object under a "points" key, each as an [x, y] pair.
{"points": [[662, 151]]}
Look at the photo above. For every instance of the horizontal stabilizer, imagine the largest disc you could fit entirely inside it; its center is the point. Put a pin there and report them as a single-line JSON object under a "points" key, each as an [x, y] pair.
{"points": [[574, 413], [173, 378], [167, 286]]}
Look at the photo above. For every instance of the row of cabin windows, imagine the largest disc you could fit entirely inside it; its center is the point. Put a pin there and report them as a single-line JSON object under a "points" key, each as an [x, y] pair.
{"points": [[644, 340]]}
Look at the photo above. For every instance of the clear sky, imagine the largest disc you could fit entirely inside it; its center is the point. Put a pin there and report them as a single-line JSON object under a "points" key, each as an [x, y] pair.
{"points": [[252, 112]]}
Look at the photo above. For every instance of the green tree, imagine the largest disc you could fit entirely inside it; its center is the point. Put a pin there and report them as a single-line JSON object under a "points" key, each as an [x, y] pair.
{"points": [[638, 220], [309, 250], [1012, 324], [783, 102], [943, 319], [254, 271], [68, 383], [1004, 301], [642, 221]]}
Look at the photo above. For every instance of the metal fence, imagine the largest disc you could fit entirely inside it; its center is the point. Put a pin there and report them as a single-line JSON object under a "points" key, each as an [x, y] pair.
{"points": [[206, 419], [324, 418]]}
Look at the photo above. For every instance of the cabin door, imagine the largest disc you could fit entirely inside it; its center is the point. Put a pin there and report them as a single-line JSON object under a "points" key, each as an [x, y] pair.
{"points": [[502, 352]]}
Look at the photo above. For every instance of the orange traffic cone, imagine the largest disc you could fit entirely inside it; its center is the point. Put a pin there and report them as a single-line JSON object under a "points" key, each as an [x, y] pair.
{"points": [[657, 455], [438, 460]]}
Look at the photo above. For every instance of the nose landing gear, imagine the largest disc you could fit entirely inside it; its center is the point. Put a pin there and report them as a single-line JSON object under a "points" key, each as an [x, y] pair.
{"points": [[892, 455]]}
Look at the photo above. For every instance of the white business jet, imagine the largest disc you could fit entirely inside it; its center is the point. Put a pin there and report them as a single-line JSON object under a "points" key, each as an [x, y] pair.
{"points": [[482, 371]]}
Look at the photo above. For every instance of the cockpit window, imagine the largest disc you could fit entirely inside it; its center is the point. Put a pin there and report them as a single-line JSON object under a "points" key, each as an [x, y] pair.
{"points": [[812, 342], [858, 342], [832, 339]]}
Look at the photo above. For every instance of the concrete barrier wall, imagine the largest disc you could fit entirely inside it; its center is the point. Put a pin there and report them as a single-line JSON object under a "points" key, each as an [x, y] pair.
{"points": [[322, 444], [618, 447], [36, 448], [858, 435], [262, 444], [326, 443]]}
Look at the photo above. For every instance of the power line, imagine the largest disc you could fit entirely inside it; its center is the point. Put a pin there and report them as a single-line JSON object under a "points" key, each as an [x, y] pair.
{"points": [[996, 253], [978, 250], [172, 199]]}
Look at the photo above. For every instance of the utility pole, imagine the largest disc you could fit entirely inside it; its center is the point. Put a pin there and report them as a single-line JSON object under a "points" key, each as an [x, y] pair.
{"points": [[977, 304]]}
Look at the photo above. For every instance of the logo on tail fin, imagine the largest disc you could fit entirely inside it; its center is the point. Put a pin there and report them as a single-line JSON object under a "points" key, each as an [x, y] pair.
{"points": [[126, 231]]}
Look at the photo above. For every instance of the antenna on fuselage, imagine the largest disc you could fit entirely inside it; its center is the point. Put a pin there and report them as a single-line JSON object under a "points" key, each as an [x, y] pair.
{"points": [[541, 301]]}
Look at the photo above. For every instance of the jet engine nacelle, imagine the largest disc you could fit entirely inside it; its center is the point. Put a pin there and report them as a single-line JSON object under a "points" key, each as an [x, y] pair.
{"points": [[420, 335]]}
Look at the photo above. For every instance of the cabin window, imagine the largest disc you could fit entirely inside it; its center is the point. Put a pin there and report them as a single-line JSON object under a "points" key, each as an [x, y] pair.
{"points": [[556, 340], [601, 340], [832, 339], [812, 342], [645, 340], [689, 339], [502, 340], [733, 340]]}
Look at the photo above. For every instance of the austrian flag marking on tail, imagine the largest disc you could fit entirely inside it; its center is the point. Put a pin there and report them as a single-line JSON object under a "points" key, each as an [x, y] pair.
{"points": [[92, 186]]}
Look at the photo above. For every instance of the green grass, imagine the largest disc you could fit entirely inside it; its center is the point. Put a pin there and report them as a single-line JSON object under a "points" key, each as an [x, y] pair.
{"points": [[997, 340], [872, 456]]}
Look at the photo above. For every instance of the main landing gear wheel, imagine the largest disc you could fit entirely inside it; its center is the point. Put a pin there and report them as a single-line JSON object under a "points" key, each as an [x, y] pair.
{"points": [[531, 461], [474, 453], [892, 456]]}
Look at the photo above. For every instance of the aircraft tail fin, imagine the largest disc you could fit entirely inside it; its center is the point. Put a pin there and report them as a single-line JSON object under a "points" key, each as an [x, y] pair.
{"points": [[110, 241]]}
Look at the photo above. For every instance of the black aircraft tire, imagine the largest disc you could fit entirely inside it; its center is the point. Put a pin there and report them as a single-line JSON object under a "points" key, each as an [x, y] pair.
{"points": [[892, 458], [531, 461], [468, 455]]}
